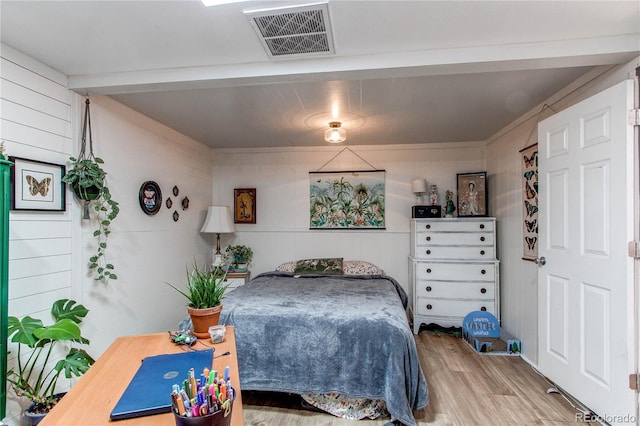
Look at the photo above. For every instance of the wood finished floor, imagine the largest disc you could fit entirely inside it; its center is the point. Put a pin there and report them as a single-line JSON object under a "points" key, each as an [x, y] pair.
{"points": [[464, 388]]}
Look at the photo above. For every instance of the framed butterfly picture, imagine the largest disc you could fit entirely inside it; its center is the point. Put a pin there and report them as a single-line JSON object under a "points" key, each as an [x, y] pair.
{"points": [[37, 185], [530, 202]]}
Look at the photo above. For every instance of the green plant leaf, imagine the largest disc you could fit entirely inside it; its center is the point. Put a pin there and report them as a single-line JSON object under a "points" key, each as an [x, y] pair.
{"points": [[22, 330], [65, 329], [70, 309], [76, 363]]}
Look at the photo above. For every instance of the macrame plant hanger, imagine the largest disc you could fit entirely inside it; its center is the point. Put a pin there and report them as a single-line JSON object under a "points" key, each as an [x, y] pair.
{"points": [[81, 191]]}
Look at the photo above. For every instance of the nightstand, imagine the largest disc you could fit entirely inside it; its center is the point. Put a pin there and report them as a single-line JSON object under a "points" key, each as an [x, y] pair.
{"points": [[236, 279]]}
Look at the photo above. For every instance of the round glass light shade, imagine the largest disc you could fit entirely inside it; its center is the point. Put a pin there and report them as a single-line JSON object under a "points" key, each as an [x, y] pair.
{"points": [[335, 133]]}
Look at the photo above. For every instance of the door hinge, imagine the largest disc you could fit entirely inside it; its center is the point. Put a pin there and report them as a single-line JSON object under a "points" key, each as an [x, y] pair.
{"points": [[634, 381], [633, 249], [634, 117]]}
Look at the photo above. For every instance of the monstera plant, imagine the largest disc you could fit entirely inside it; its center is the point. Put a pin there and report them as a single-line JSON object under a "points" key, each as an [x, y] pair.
{"points": [[88, 181], [34, 377]]}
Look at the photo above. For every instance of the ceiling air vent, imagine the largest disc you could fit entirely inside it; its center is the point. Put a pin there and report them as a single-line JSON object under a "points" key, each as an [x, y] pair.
{"points": [[298, 30]]}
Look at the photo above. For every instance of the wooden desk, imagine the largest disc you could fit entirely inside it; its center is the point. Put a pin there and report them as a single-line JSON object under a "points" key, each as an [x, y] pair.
{"points": [[91, 399]]}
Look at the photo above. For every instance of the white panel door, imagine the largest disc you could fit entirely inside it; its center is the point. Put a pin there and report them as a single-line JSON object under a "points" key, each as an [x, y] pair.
{"points": [[585, 288]]}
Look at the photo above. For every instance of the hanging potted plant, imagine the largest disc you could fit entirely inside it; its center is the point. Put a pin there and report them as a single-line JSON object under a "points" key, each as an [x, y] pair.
{"points": [[33, 376], [204, 294], [88, 181]]}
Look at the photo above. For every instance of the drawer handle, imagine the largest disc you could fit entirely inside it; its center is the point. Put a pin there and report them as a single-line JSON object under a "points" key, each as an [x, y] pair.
{"points": [[428, 288], [483, 309], [483, 272], [429, 307], [428, 270], [482, 252], [482, 238], [482, 226], [428, 251], [483, 290], [428, 238], [428, 226]]}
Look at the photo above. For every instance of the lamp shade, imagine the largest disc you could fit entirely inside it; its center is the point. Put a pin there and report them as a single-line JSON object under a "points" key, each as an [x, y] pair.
{"points": [[218, 221], [419, 186]]}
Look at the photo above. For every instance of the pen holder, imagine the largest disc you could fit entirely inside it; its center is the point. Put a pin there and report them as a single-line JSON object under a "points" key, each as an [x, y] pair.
{"points": [[214, 419]]}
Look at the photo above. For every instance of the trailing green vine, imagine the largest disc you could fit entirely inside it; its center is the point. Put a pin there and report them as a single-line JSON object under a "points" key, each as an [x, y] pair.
{"points": [[88, 181]]}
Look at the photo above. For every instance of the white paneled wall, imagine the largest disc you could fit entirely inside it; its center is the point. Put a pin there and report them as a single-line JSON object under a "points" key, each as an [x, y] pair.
{"points": [[281, 179], [48, 251], [36, 124], [519, 278]]}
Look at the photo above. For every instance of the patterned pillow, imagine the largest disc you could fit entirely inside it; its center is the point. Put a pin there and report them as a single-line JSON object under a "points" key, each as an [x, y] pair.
{"points": [[287, 267], [350, 267], [361, 267], [324, 266]]}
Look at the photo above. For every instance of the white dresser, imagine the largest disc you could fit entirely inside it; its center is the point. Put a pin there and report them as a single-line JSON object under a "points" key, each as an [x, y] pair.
{"points": [[453, 269]]}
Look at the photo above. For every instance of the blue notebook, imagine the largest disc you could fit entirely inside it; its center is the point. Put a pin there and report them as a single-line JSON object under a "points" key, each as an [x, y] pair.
{"points": [[149, 392]]}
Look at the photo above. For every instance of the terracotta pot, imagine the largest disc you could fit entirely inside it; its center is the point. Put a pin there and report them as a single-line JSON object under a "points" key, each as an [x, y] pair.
{"points": [[202, 319]]}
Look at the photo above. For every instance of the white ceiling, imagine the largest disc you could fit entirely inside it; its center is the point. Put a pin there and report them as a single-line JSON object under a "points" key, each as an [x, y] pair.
{"points": [[403, 71]]}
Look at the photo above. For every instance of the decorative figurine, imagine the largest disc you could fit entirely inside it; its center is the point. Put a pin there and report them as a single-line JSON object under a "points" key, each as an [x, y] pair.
{"points": [[434, 195], [449, 207]]}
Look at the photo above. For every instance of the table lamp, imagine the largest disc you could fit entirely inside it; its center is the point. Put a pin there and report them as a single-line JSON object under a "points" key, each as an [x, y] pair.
{"points": [[218, 222], [419, 187]]}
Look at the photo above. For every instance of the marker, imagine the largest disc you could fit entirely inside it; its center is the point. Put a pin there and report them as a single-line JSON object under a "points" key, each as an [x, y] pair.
{"points": [[226, 373], [180, 405]]}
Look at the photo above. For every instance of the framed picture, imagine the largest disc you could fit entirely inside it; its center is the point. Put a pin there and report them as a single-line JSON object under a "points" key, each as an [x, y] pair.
{"points": [[150, 197], [37, 185], [244, 205], [472, 194], [347, 200], [530, 202]]}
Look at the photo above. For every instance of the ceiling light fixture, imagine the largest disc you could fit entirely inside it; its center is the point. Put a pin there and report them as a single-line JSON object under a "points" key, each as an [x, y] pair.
{"points": [[335, 133]]}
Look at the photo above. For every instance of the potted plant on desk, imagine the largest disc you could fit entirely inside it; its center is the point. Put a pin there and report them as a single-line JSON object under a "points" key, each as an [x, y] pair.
{"points": [[240, 257], [204, 294], [33, 377]]}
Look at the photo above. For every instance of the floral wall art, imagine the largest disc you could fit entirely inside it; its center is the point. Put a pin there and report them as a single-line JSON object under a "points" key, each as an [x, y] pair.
{"points": [[347, 200]]}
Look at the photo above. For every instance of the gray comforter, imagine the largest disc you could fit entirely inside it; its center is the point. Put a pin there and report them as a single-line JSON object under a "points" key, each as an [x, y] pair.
{"points": [[320, 334]]}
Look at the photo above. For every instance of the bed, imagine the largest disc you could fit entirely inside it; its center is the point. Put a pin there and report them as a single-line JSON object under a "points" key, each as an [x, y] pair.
{"points": [[336, 336]]}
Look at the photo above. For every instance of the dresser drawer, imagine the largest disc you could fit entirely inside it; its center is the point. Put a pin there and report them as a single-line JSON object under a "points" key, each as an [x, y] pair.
{"points": [[455, 252], [455, 290], [452, 308], [233, 283], [455, 225], [476, 271], [454, 238]]}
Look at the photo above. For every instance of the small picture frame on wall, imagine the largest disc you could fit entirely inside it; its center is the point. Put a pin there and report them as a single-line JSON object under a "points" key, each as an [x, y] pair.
{"points": [[472, 194], [150, 197], [37, 185], [244, 205]]}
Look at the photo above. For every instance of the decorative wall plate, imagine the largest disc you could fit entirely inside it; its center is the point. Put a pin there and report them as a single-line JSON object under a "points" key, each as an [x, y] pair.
{"points": [[168, 203], [185, 203], [176, 191], [150, 197], [176, 216]]}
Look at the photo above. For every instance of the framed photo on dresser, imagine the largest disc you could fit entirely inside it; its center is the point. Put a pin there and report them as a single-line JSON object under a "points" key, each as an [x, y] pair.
{"points": [[472, 194]]}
